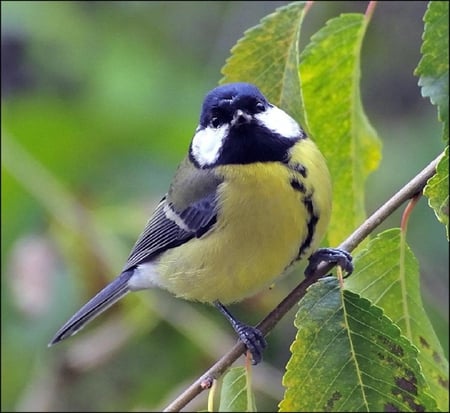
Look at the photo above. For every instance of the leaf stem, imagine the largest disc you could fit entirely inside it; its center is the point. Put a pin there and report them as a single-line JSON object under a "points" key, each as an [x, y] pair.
{"points": [[408, 210], [308, 5], [370, 9], [411, 189]]}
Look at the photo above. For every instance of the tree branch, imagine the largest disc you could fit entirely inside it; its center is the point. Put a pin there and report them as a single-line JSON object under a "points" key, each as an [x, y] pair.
{"points": [[413, 187]]}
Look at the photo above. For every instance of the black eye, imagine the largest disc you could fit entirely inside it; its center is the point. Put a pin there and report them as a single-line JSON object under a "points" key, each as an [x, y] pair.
{"points": [[215, 122], [260, 107]]}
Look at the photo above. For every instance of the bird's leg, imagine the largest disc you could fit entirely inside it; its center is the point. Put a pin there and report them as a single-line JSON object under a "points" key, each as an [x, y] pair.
{"points": [[332, 256], [250, 336]]}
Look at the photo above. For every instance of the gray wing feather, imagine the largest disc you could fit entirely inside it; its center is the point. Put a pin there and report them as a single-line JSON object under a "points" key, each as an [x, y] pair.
{"points": [[162, 233], [113, 292]]}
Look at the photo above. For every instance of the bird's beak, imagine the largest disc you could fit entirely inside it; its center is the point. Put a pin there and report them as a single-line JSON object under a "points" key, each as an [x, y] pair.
{"points": [[240, 117]]}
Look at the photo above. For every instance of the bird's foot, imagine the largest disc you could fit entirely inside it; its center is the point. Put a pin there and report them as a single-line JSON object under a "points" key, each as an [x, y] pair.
{"points": [[332, 256], [253, 339]]}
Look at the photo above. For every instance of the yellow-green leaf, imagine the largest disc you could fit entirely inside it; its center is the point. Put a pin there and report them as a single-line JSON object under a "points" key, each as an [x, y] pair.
{"points": [[437, 191], [330, 75], [267, 56], [236, 394], [433, 67], [387, 273], [348, 356]]}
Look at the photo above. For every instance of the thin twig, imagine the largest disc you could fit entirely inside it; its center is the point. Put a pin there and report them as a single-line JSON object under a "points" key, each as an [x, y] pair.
{"points": [[413, 187]]}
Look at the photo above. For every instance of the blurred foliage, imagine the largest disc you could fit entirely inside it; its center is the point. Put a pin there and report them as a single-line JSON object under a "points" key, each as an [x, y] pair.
{"points": [[100, 100]]}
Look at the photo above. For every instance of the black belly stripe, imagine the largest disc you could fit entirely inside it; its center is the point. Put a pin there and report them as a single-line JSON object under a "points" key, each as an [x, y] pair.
{"points": [[298, 167], [296, 182], [312, 222], [298, 185], [313, 216]]}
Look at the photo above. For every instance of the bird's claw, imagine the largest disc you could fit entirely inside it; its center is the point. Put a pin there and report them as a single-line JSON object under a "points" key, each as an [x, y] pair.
{"points": [[253, 339], [330, 255]]}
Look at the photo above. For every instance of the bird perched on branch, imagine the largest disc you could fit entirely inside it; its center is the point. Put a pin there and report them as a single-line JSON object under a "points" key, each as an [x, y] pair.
{"points": [[251, 198]]}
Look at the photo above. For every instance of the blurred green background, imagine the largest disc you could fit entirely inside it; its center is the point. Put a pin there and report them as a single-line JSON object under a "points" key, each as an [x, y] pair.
{"points": [[99, 103]]}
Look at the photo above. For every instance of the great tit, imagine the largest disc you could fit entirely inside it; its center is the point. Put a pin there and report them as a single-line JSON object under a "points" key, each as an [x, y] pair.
{"points": [[251, 198]]}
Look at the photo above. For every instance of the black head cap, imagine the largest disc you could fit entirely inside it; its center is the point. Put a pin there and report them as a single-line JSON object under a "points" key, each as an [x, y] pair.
{"points": [[231, 92]]}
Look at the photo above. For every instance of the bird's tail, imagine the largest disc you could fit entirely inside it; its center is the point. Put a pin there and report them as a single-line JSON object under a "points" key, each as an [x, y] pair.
{"points": [[113, 292]]}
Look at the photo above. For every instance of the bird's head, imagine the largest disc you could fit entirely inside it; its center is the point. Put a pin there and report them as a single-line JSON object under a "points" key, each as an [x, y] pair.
{"points": [[239, 126]]}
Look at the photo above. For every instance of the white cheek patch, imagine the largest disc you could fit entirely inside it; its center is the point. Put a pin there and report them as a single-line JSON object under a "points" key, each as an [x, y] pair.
{"points": [[280, 122], [206, 144]]}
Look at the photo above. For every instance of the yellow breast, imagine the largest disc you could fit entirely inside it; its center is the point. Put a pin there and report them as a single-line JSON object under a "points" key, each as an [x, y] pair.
{"points": [[266, 213]]}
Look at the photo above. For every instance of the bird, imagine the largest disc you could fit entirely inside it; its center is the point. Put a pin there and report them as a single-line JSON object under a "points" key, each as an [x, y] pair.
{"points": [[251, 198]]}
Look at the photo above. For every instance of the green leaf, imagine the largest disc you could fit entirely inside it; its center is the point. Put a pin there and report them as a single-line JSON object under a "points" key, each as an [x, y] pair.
{"points": [[433, 67], [330, 75], [436, 191], [267, 56], [236, 394], [387, 273], [348, 356]]}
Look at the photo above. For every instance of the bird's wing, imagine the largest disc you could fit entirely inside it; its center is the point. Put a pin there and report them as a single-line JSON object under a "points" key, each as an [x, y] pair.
{"points": [[168, 228]]}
